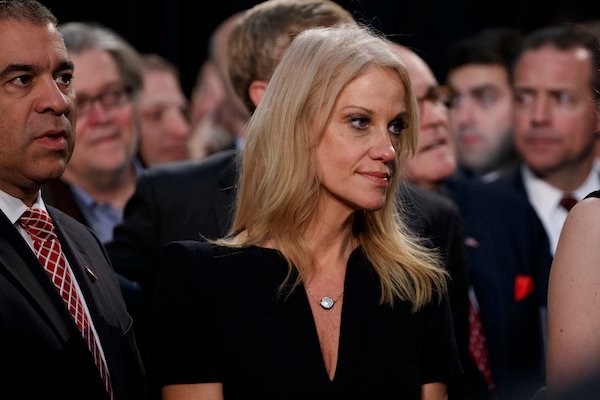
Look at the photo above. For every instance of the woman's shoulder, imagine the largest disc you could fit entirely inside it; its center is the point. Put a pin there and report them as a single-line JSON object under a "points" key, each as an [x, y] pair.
{"points": [[581, 230], [589, 207], [193, 248], [221, 254], [211, 264]]}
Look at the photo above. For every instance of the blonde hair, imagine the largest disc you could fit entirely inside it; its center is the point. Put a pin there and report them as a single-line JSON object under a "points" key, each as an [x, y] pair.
{"points": [[279, 188]]}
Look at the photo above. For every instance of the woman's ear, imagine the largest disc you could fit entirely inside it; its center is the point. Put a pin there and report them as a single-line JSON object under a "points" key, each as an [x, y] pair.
{"points": [[256, 91]]}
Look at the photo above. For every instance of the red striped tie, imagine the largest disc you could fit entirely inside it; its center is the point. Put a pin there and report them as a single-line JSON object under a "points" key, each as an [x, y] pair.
{"points": [[39, 226], [478, 347]]}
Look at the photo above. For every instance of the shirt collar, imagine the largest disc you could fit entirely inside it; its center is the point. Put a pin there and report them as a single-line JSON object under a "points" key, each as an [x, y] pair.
{"points": [[13, 207], [546, 197], [87, 200]]}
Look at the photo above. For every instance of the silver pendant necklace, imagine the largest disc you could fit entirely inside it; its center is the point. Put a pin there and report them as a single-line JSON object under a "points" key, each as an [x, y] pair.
{"points": [[325, 302]]}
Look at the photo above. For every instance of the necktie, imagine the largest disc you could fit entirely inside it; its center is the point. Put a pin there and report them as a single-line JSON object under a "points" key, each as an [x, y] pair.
{"points": [[477, 345], [39, 226], [568, 201]]}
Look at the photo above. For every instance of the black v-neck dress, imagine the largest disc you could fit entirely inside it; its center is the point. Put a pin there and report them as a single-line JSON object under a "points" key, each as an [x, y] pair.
{"points": [[219, 318], [595, 193]]}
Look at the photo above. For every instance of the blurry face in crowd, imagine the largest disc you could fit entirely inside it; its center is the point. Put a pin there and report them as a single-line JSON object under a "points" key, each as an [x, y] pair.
{"points": [[164, 128], [209, 94], [481, 115], [106, 133], [434, 159], [555, 117], [37, 107], [356, 154]]}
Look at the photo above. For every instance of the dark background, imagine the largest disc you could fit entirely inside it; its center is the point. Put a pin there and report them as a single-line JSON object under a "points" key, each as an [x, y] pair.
{"points": [[179, 29]]}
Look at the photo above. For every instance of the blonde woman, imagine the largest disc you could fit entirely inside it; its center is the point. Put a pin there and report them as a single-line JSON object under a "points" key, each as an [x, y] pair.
{"points": [[319, 292]]}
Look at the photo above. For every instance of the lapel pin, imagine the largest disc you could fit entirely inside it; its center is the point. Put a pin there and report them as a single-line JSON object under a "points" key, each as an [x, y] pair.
{"points": [[91, 274], [471, 242]]}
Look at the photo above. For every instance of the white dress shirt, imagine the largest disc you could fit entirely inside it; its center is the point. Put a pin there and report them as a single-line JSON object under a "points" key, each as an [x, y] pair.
{"points": [[545, 199]]}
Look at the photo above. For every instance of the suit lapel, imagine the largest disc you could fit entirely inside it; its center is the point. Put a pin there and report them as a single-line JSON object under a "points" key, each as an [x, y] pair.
{"points": [[79, 261], [21, 264], [92, 286], [518, 181], [101, 292]]}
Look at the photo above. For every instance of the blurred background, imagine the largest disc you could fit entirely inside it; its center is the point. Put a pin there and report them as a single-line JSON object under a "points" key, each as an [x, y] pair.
{"points": [[179, 29]]}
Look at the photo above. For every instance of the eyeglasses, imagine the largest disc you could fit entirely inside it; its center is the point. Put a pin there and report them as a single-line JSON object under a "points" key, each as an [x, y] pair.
{"points": [[109, 99], [437, 95]]}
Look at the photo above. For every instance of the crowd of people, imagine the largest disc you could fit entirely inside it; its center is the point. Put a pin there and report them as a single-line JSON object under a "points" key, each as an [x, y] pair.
{"points": [[322, 218]]}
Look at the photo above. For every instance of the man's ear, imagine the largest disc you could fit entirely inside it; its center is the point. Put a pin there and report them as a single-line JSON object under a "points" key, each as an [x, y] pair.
{"points": [[256, 91]]}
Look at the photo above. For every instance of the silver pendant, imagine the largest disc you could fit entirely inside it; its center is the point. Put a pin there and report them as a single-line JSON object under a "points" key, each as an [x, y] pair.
{"points": [[327, 302]]}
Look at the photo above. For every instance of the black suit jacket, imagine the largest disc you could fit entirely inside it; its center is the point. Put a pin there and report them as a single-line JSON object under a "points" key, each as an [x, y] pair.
{"points": [[175, 201], [42, 353], [513, 180], [509, 260], [196, 200], [437, 219]]}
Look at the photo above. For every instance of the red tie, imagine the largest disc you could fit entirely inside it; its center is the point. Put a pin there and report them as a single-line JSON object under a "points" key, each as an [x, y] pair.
{"points": [[478, 347], [568, 201], [39, 226]]}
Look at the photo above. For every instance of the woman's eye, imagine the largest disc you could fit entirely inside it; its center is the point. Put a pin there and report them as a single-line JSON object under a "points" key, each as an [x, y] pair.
{"points": [[359, 122], [397, 126]]}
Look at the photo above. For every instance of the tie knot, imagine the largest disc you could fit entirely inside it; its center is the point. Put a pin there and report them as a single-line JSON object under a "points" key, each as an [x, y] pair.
{"points": [[568, 201], [38, 224]]}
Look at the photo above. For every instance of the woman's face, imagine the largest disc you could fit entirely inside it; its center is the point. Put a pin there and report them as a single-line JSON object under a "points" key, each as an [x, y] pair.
{"points": [[355, 154]]}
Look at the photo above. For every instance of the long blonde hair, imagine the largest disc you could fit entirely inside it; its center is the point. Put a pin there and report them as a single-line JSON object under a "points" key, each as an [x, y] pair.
{"points": [[279, 188]]}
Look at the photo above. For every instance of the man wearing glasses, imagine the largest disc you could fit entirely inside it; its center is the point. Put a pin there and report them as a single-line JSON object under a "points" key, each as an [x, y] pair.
{"points": [[102, 172], [508, 256]]}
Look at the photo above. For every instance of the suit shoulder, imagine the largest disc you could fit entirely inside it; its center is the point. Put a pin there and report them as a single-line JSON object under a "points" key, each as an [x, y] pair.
{"points": [[510, 179], [415, 198], [209, 166], [499, 201], [80, 233], [67, 222], [501, 192]]}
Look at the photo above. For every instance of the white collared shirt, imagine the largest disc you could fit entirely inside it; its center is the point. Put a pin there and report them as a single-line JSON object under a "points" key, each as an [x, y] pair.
{"points": [[545, 199]]}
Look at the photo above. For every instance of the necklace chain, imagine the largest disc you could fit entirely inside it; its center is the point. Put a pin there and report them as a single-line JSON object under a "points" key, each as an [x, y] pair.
{"points": [[325, 302]]}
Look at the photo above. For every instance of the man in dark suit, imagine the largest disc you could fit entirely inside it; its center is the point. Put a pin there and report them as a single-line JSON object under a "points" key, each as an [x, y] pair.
{"points": [[556, 86], [102, 172], [508, 253], [482, 101], [42, 347]]}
